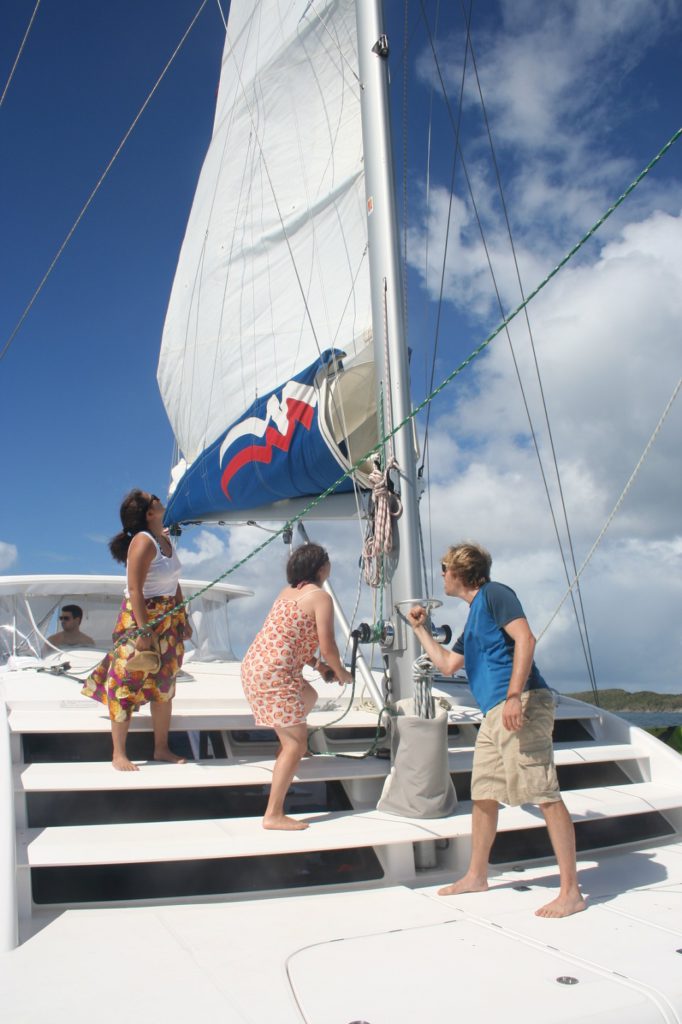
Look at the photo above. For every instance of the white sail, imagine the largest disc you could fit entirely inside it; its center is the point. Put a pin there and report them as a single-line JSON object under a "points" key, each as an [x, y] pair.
{"points": [[273, 268]]}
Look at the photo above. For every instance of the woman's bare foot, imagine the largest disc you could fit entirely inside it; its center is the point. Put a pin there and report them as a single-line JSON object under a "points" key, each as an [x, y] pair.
{"points": [[469, 883], [562, 906], [122, 764], [284, 823], [166, 754]]}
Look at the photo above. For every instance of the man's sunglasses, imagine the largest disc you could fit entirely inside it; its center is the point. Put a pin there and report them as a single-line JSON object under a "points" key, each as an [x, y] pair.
{"points": [[444, 568]]}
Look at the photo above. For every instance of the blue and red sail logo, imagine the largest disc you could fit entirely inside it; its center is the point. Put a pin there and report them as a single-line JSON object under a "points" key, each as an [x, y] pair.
{"points": [[275, 451], [295, 406]]}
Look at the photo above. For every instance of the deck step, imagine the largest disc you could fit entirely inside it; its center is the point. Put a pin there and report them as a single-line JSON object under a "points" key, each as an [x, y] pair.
{"points": [[72, 716], [191, 714], [60, 777], [148, 842], [99, 775]]}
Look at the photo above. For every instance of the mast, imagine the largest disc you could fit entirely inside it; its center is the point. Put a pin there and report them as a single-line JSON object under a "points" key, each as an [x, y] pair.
{"points": [[388, 326]]}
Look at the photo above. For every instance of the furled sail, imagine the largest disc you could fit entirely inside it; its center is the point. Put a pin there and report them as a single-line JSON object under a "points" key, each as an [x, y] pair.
{"points": [[270, 305]]}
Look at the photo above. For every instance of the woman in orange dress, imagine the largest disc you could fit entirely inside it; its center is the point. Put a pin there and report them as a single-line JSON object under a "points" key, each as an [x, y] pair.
{"points": [[300, 621]]}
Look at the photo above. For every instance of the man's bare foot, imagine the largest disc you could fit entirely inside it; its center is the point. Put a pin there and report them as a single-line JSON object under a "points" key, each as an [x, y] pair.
{"points": [[562, 906], [469, 883], [166, 754], [284, 823], [122, 764]]}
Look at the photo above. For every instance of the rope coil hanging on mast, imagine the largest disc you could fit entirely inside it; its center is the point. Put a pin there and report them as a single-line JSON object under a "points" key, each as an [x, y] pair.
{"points": [[385, 506]]}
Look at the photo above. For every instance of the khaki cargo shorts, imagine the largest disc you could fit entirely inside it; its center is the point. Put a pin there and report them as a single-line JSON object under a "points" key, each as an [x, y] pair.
{"points": [[517, 767]]}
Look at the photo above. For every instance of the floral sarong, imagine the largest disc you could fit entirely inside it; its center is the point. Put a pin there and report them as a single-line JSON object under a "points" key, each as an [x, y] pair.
{"points": [[272, 668], [124, 691]]}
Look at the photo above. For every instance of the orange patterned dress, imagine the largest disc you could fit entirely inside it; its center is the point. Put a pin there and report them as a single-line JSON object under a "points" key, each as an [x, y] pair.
{"points": [[272, 674]]}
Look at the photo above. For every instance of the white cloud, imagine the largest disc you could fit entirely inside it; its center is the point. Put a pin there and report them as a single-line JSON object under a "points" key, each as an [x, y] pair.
{"points": [[553, 84], [608, 344], [209, 552], [548, 72], [8, 555], [98, 538]]}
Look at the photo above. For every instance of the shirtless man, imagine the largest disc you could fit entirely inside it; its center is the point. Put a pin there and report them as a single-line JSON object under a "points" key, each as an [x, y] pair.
{"points": [[70, 635], [513, 757]]}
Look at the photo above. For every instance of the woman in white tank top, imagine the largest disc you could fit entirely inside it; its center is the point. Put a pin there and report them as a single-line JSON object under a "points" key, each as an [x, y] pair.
{"points": [[152, 593]]}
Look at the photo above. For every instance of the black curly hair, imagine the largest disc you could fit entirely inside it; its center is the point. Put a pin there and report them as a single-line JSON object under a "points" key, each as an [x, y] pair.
{"points": [[134, 508], [305, 563]]}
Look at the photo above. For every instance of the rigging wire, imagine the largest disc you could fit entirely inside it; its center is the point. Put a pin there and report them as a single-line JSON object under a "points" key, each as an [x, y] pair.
{"points": [[480, 348], [342, 55], [582, 626], [426, 459], [19, 53], [243, 196], [581, 618], [405, 139], [457, 151], [100, 182], [427, 453], [615, 508], [222, 15]]}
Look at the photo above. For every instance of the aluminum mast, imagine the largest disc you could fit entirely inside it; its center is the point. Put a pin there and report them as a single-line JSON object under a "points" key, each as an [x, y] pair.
{"points": [[388, 325]]}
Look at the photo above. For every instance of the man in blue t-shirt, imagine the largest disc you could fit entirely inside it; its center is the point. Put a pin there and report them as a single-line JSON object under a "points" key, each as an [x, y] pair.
{"points": [[513, 757]]}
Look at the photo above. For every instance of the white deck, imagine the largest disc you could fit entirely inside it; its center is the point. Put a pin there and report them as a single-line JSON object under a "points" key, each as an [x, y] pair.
{"points": [[210, 959], [330, 955]]}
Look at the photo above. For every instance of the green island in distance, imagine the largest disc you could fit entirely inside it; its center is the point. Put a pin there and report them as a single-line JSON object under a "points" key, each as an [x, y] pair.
{"points": [[624, 700]]}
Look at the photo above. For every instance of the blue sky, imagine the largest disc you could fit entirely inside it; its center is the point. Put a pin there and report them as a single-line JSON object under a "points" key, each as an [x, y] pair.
{"points": [[579, 97]]}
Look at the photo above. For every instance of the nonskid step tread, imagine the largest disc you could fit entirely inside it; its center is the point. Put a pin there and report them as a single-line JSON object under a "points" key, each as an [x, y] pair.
{"points": [[238, 837], [101, 776], [79, 715]]}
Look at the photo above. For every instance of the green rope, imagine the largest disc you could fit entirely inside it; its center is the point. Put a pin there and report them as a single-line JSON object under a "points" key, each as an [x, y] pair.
{"points": [[371, 750], [429, 398]]}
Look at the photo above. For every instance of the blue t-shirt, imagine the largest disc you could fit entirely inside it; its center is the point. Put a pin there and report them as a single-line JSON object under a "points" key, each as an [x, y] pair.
{"points": [[489, 651]]}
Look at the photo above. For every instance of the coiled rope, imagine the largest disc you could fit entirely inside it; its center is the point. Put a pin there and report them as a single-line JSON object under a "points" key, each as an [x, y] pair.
{"points": [[379, 537], [422, 676]]}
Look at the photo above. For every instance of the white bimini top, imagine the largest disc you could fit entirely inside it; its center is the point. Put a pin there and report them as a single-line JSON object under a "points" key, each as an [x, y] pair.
{"points": [[164, 573]]}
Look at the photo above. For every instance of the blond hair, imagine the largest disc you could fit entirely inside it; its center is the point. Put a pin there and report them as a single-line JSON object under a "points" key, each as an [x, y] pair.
{"points": [[469, 562]]}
